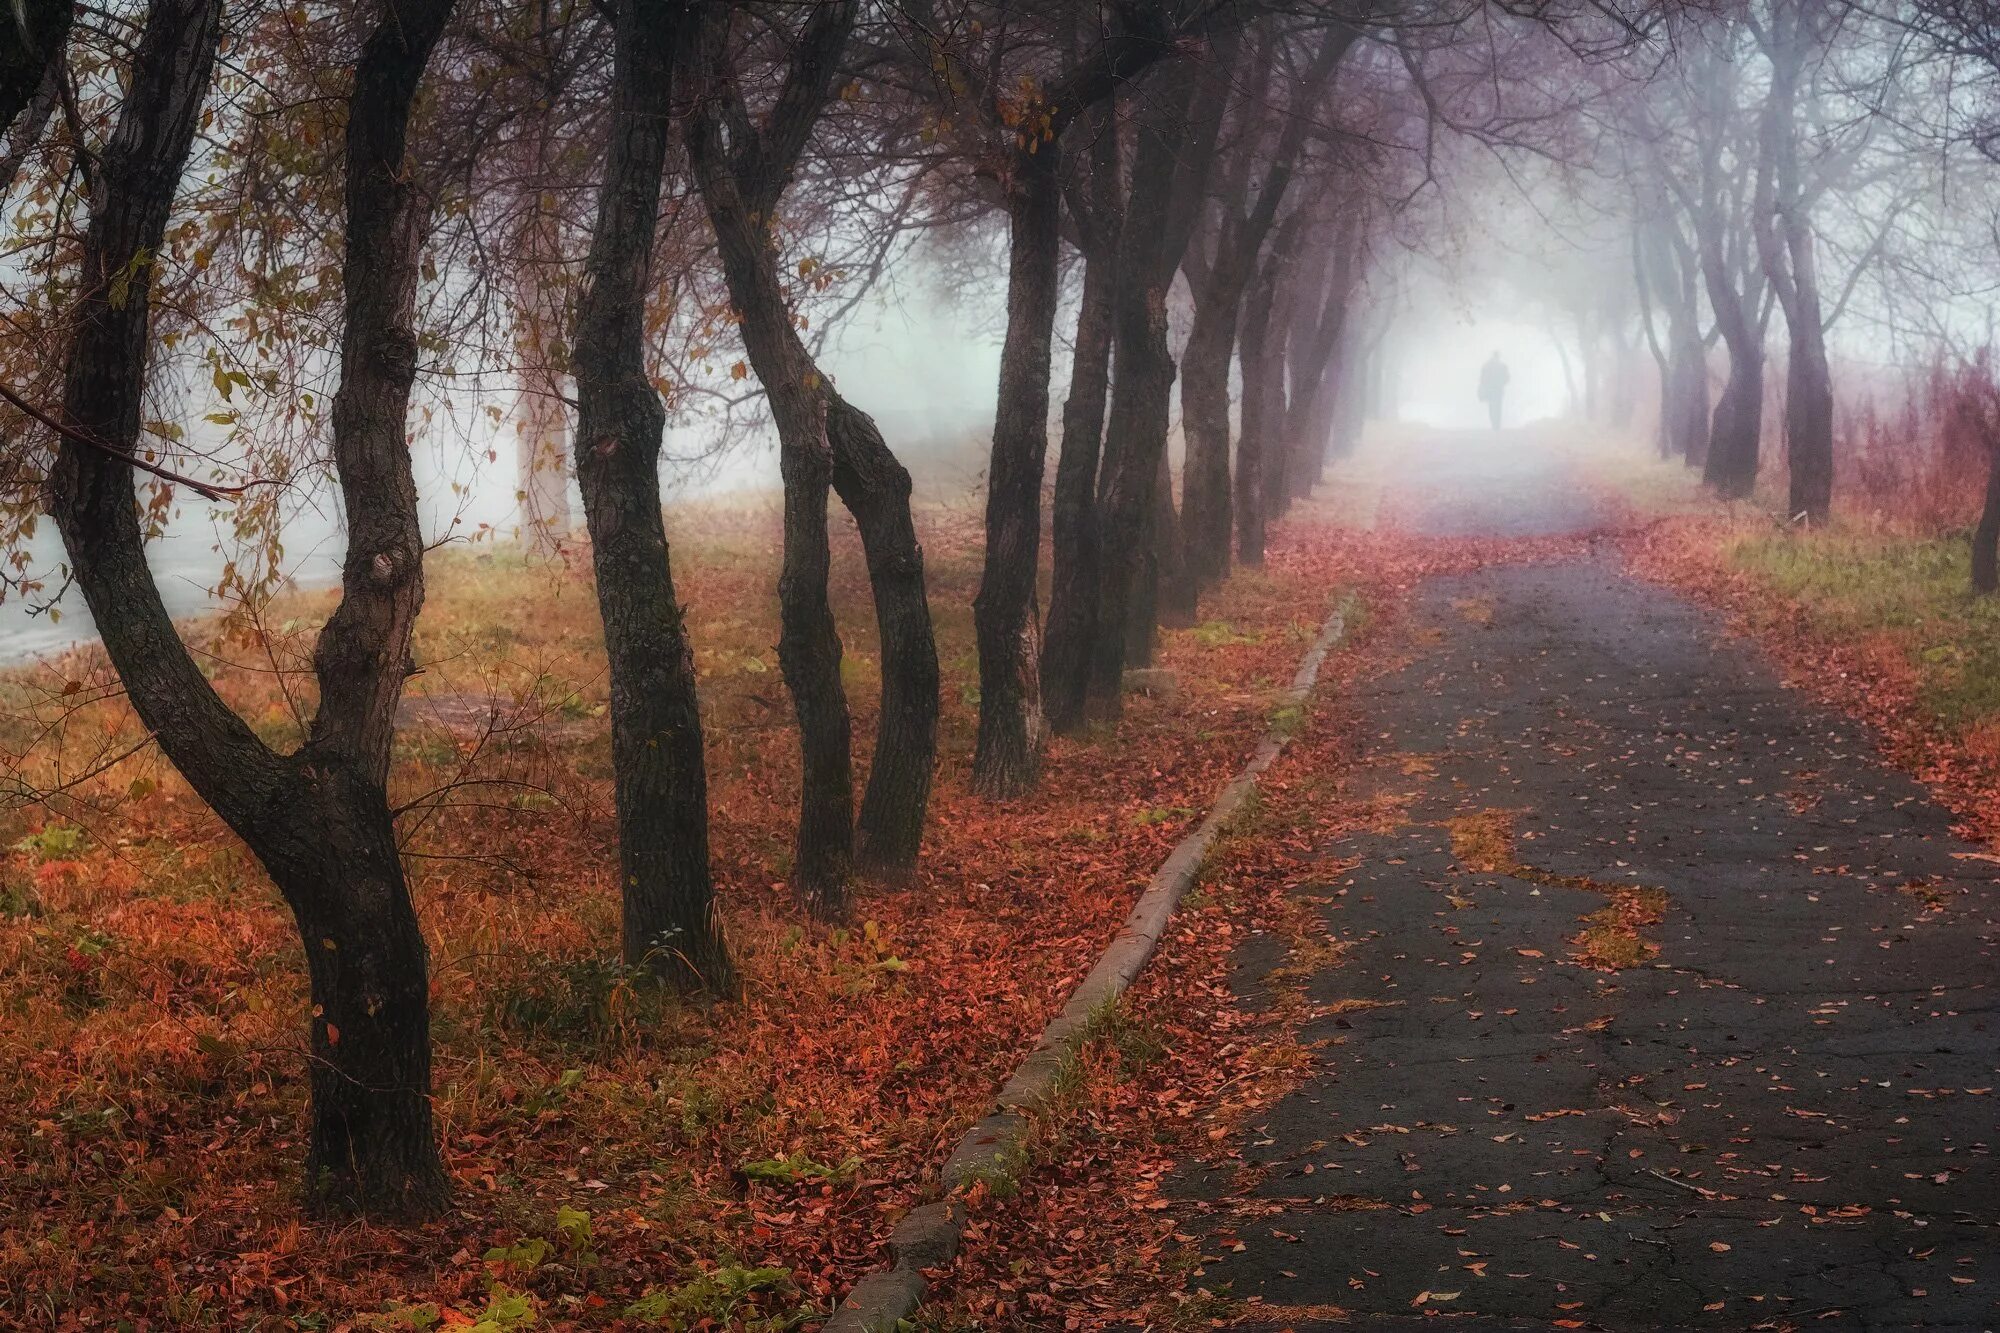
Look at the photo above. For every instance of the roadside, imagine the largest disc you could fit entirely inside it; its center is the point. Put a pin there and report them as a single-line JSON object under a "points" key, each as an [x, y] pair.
{"points": [[1571, 971], [609, 1151]]}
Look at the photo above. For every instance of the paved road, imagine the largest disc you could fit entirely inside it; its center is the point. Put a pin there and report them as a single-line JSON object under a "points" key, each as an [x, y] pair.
{"points": [[1785, 1118]]}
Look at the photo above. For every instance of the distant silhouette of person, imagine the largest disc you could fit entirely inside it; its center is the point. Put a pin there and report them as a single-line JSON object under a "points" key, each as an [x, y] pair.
{"points": [[1493, 386]]}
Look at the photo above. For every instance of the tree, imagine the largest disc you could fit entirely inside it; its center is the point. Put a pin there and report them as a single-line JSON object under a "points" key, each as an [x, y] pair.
{"points": [[1720, 202], [661, 786], [1028, 125], [1179, 121], [1096, 209], [318, 819], [1219, 268], [825, 442]]}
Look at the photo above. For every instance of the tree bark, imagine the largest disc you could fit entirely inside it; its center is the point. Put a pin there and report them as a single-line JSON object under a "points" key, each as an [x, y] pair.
{"points": [[741, 184], [1218, 290], [875, 488], [1292, 462], [1007, 755], [1263, 374], [1783, 222], [1205, 424], [1176, 146], [1072, 615], [825, 442], [1175, 596], [1738, 426], [31, 70], [318, 820], [31, 44], [670, 926]]}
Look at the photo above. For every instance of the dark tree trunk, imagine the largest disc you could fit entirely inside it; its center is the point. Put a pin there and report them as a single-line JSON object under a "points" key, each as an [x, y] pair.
{"points": [[875, 487], [1174, 607], [661, 786], [741, 183], [824, 441], [1314, 333], [1734, 437], [1140, 401], [1809, 427], [31, 42], [1785, 242], [1986, 537], [1072, 617], [318, 820], [1205, 363], [1689, 419], [1263, 374], [1169, 182], [31, 68], [809, 657], [1008, 751]]}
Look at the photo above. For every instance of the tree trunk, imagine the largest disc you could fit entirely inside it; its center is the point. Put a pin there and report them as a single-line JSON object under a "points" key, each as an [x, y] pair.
{"points": [[1072, 616], [1176, 147], [1175, 607], [1734, 438], [660, 778], [1809, 427], [1986, 537], [319, 819], [875, 488], [824, 442], [1205, 362], [1263, 373], [1127, 506], [741, 183], [1690, 421], [1007, 754]]}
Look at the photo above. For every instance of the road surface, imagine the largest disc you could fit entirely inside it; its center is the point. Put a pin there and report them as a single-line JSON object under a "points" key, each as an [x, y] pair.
{"points": [[1785, 1118]]}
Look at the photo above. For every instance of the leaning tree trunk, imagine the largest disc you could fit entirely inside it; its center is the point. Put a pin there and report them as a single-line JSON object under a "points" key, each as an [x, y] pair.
{"points": [[661, 786], [1072, 617], [319, 819], [824, 441], [809, 648], [1007, 754], [875, 488], [741, 181]]}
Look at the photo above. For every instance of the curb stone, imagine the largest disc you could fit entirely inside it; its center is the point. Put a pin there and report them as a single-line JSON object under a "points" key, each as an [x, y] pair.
{"points": [[929, 1236]]}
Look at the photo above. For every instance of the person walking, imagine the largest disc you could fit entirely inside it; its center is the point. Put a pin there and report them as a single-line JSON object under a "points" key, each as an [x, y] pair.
{"points": [[1493, 386]]}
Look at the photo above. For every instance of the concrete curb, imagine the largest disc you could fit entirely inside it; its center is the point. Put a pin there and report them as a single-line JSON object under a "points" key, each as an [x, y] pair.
{"points": [[995, 1148]]}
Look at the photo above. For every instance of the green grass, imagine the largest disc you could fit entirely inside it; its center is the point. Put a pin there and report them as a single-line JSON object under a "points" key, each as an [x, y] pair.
{"points": [[1917, 590]]}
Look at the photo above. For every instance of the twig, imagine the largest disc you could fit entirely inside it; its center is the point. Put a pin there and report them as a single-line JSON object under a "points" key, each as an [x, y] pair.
{"points": [[206, 490]]}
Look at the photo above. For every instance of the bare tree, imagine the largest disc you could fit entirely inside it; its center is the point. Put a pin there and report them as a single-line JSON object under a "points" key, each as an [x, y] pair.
{"points": [[319, 819], [825, 442], [669, 918]]}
